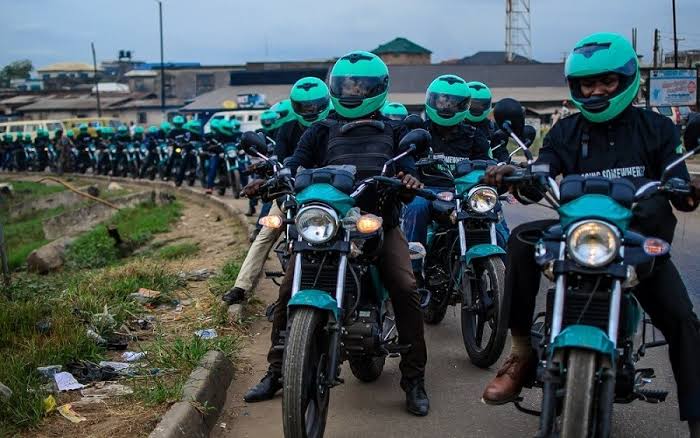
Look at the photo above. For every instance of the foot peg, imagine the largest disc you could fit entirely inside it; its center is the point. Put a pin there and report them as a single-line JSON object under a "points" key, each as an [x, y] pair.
{"points": [[394, 350], [652, 395]]}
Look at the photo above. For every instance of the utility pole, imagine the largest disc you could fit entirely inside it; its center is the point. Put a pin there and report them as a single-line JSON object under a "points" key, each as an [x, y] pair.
{"points": [[675, 37], [634, 39], [162, 63], [656, 48], [97, 80]]}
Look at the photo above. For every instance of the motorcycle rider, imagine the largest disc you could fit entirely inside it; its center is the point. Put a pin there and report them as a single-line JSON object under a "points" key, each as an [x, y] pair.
{"points": [[178, 127], [478, 117], [359, 84], [152, 142], [394, 111], [5, 151], [267, 120], [219, 134], [310, 99], [612, 138], [83, 134], [41, 143]]}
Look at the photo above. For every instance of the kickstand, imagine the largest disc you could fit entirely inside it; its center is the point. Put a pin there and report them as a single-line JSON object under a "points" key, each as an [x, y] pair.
{"points": [[525, 410]]}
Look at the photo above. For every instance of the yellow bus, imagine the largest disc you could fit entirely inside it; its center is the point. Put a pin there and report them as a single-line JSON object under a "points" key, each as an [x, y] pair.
{"points": [[92, 122], [30, 126]]}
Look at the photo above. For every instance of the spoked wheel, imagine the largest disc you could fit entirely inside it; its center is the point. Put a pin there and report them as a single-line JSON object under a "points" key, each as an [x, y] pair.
{"points": [[485, 319], [305, 397]]}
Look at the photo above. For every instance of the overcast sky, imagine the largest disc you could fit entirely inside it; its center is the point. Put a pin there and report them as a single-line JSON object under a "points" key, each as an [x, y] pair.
{"points": [[235, 31]]}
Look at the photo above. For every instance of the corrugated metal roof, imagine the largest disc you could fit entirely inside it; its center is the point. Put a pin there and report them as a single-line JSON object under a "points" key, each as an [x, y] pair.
{"points": [[67, 66], [80, 103], [401, 45], [148, 103], [18, 100], [214, 100]]}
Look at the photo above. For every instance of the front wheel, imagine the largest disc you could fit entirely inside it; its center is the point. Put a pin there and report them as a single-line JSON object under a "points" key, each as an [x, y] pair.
{"points": [[577, 412], [305, 397], [485, 319]]}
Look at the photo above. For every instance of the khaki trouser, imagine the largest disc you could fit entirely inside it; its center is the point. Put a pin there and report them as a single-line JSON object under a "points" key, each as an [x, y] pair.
{"points": [[257, 254]]}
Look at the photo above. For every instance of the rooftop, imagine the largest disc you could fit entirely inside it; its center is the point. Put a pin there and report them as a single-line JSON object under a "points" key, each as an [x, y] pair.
{"points": [[401, 45], [214, 100], [490, 58], [67, 66]]}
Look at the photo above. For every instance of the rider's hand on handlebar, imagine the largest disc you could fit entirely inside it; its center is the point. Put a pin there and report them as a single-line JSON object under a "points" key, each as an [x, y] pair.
{"points": [[252, 188], [409, 181], [494, 174]]}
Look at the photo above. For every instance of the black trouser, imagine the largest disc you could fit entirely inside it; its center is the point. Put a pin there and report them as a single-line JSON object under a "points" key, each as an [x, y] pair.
{"points": [[151, 160], [396, 274], [663, 297]]}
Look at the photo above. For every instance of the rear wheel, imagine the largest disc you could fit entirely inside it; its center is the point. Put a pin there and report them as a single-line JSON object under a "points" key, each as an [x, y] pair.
{"points": [[577, 412], [435, 312], [305, 397], [485, 319], [367, 369]]}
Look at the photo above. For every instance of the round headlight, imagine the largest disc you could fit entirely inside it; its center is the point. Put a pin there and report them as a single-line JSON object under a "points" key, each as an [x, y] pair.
{"points": [[316, 224], [593, 243], [482, 199]]}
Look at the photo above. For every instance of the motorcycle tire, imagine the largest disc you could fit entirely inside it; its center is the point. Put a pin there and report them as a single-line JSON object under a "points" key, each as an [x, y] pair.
{"points": [[435, 312], [305, 399], [578, 408], [490, 275], [367, 369]]}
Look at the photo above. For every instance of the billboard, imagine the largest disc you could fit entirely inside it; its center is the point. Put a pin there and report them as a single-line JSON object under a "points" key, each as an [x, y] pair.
{"points": [[251, 100], [673, 87]]}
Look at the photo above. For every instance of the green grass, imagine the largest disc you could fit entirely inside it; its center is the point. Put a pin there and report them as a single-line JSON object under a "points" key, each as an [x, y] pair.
{"points": [[30, 190], [25, 235], [178, 251], [137, 225], [225, 278]]}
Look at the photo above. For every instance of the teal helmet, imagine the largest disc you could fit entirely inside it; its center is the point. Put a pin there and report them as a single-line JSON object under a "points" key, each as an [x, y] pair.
{"points": [[285, 111], [106, 132], [235, 124], [42, 133], [268, 118], [600, 54], [224, 128], [394, 111], [166, 127], [153, 130], [138, 132], [7, 136], [480, 106], [27, 136], [310, 100], [122, 130], [179, 121], [447, 100], [359, 83], [83, 128], [70, 133], [193, 126], [214, 125]]}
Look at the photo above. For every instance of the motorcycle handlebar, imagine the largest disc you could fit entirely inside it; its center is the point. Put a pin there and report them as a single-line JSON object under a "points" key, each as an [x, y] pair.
{"points": [[395, 182]]}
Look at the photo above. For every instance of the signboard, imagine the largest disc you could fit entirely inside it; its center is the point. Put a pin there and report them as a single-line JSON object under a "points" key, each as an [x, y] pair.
{"points": [[229, 104], [673, 87], [251, 100]]}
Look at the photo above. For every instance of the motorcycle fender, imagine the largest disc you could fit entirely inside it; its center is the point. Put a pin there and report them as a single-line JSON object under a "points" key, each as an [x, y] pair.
{"points": [[584, 337], [481, 251], [315, 298]]}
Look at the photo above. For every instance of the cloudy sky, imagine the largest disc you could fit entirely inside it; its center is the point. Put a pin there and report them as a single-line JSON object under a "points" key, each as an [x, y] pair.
{"points": [[235, 31]]}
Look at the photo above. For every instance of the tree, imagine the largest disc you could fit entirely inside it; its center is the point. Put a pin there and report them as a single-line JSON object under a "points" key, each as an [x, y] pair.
{"points": [[15, 70]]}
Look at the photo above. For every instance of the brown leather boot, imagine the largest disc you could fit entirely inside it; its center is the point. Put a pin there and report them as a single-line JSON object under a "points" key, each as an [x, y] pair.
{"points": [[509, 380]]}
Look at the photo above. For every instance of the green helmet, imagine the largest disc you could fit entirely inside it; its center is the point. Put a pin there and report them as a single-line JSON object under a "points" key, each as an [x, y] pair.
{"points": [[70, 133], [285, 111], [106, 132], [447, 100], [359, 83], [480, 106], [166, 127], [178, 121], [394, 111], [83, 128], [7, 136], [214, 125], [27, 136], [268, 119], [599, 54], [235, 124], [42, 133], [310, 100], [153, 130], [193, 126], [122, 130], [224, 127], [138, 131]]}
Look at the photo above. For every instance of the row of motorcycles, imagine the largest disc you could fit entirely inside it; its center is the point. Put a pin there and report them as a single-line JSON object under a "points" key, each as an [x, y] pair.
{"points": [[588, 339], [179, 159]]}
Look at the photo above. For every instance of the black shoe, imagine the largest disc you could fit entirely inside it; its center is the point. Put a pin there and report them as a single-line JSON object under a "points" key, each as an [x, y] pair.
{"points": [[417, 401], [234, 295], [250, 212], [266, 389]]}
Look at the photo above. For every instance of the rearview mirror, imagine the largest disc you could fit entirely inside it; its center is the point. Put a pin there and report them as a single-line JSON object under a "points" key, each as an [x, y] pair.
{"points": [[529, 135], [253, 144], [413, 121], [510, 116], [417, 139]]}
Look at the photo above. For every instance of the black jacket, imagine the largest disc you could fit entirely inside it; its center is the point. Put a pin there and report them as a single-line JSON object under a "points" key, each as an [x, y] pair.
{"points": [[287, 138], [311, 152], [637, 145]]}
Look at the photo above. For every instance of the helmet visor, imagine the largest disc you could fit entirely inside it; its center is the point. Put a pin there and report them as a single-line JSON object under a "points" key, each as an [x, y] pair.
{"points": [[267, 123], [310, 108], [479, 106], [447, 105], [358, 87]]}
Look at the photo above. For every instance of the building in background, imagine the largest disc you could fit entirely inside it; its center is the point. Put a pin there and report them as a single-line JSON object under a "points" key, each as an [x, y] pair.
{"points": [[401, 51], [686, 58], [67, 75]]}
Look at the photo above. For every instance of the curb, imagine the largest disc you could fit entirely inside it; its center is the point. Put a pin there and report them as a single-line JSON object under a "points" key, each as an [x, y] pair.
{"points": [[203, 397]]}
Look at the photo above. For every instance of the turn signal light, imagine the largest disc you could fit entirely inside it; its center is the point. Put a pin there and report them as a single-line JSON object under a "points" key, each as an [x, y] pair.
{"points": [[272, 221], [178, 150], [368, 223], [446, 196], [656, 247]]}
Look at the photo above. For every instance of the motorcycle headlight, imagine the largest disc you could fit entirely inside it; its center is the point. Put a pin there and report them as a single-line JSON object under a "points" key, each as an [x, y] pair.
{"points": [[231, 154], [482, 199], [316, 224], [593, 243]]}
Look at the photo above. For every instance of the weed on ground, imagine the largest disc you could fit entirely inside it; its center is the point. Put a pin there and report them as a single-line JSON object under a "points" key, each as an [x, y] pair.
{"points": [[178, 251]]}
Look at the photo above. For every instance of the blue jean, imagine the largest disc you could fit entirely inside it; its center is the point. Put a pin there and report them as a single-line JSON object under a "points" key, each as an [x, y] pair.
{"points": [[213, 168]]}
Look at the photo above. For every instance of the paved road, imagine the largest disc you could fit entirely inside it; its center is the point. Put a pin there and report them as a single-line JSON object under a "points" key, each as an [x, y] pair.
{"points": [[454, 385]]}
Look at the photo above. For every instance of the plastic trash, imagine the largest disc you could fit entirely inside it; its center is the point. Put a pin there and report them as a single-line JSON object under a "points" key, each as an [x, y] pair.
{"points": [[133, 356], [49, 404], [207, 333], [102, 391], [5, 392], [66, 382], [116, 366], [50, 370], [69, 414], [145, 296]]}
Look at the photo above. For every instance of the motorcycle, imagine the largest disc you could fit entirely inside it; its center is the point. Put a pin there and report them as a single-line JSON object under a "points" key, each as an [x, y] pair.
{"points": [[339, 310], [585, 340], [133, 159], [464, 262], [186, 162]]}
